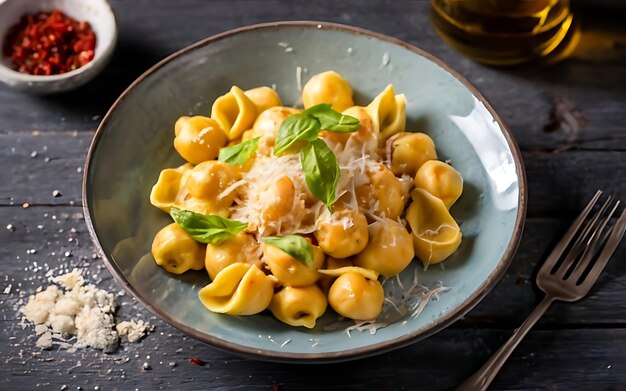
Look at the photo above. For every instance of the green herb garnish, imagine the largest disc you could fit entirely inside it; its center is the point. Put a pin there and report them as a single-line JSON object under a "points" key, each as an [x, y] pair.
{"points": [[240, 153], [209, 229], [321, 171], [307, 125]]}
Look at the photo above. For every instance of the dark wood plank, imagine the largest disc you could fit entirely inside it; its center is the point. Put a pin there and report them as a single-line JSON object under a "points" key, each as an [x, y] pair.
{"points": [[559, 182], [560, 360], [591, 80]]}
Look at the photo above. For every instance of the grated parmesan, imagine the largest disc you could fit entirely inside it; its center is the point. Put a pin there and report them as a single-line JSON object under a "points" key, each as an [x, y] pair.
{"points": [[69, 308]]}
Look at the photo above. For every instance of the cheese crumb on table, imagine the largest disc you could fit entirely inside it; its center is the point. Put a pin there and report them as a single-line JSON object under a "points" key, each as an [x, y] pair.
{"points": [[71, 308]]}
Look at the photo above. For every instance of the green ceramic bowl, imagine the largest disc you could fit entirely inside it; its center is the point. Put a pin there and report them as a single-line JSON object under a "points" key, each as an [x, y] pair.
{"points": [[134, 143]]}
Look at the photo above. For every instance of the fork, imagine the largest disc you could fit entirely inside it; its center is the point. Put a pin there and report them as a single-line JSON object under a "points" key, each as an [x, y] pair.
{"points": [[566, 278]]}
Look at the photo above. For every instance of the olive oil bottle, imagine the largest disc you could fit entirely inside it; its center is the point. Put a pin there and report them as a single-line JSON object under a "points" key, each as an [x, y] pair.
{"points": [[507, 32]]}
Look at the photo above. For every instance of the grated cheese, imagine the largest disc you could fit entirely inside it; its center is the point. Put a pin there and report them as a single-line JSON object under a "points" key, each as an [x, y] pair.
{"points": [[72, 309]]}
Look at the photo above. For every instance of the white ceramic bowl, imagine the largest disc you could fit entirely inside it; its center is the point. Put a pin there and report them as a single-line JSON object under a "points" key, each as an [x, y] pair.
{"points": [[97, 12]]}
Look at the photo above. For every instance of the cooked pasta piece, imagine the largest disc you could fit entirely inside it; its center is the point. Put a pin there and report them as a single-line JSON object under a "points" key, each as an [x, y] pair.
{"points": [[441, 180], [390, 249], [175, 251], [263, 98], [289, 270], [388, 112], [407, 152], [165, 192], [326, 280], [384, 195], [354, 296], [198, 138], [328, 87], [299, 306], [209, 179], [234, 112], [342, 234], [435, 233], [240, 248], [266, 127], [239, 289]]}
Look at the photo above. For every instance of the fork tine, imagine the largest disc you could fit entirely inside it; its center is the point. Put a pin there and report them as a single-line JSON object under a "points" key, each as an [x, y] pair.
{"points": [[596, 241], [612, 242], [567, 238], [582, 241]]}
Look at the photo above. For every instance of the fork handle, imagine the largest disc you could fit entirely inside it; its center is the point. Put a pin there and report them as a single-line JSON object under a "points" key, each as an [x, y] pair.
{"points": [[485, 375]]}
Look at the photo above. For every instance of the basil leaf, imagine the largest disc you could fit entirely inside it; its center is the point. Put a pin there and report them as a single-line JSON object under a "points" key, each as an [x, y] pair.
{"points": [[332, 120], [294, 245], [240, 153], [321, 171], [297, 127], [210, 229]]}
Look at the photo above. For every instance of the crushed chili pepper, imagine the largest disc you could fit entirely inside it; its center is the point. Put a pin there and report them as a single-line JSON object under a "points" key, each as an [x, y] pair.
{"points": [[49, 43], [196, 361]]}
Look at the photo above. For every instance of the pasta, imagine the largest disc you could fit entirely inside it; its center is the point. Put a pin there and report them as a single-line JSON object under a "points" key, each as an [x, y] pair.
{"points": [[234, 112], [165, 192], [441, 180], [263, 98], [390, 249], [328, 87], [388, 113], [175, 251], [293, 210], [407, 152], [435, 233], [198, 139], [239, 289], [299, 306]]}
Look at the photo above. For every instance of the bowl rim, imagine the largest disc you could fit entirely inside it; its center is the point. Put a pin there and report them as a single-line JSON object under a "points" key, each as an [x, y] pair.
{"points": [[348, 354], [101, 56]]}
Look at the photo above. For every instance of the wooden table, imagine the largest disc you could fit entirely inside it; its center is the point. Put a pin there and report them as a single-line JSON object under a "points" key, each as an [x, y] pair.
{"points": [[569, 120]]}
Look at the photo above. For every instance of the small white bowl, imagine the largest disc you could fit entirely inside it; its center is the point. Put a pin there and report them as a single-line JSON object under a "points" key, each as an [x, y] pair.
{"points": [[97, 12]]}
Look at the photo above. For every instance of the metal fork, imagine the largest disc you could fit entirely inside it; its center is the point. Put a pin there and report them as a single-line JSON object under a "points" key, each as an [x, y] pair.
{"points": [[568, 274]]}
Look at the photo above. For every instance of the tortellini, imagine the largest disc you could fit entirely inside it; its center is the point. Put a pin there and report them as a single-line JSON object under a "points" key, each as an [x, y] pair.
{"points": [[326, 280], [263, 98], [239, 289], [165, 192], [356, 295], [343, 234], [299, 306], [290, 271], [441, 180], [390, 249], [384, 194], [435, 233], [198, 138], [209, 179], [234, 112], [388, 112], [240, 248], [328, 87], [295, 233], [175, 251], [407, 152]]}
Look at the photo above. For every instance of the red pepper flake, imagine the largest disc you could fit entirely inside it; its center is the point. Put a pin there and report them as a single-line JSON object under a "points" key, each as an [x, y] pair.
{"points": [[196, 361], [49, 43]]}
